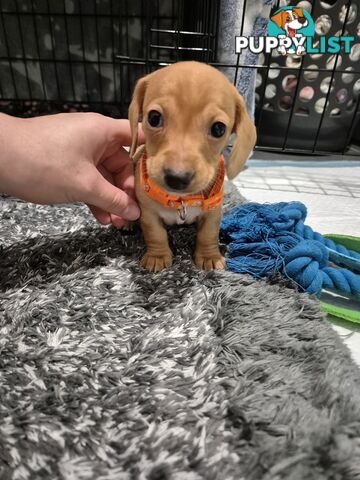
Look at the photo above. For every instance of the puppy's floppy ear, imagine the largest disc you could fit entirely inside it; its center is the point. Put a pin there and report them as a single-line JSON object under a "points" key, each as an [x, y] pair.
{"points": [[278, 18], [245, 138], [135, 112], [299, 11]]}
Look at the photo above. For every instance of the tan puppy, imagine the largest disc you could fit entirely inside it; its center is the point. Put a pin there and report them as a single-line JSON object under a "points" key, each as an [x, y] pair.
{"points": [[188, 111]]}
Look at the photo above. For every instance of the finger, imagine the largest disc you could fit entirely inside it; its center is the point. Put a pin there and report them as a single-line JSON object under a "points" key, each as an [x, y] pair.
{"points": [[102, 217], [105, 217], [120, 130], [122, 170], [106, 174], [125, 179], [118, 222], [116, 161], [111, 199]]}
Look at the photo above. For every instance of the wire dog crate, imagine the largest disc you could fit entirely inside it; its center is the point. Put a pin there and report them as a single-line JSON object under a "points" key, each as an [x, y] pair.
{"points": [[86, 55]]}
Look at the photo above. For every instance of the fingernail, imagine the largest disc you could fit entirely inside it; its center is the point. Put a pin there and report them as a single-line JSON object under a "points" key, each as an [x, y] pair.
{"points": [[131, 212]]}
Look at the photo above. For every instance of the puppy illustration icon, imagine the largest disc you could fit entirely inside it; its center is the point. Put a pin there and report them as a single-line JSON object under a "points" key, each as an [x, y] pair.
{"points": [[292, 30], [292, 26]]}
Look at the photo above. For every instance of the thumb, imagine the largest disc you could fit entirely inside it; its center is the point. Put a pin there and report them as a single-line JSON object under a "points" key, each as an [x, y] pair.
{"points": [[111, 199]]}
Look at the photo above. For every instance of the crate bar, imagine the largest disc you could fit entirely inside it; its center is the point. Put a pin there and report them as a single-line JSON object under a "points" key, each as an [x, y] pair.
{"points": [[83, 15], [266, 76], [217, 17], [121, 23], [38, 49], [59, 102], [173, 10], [170, 47], [177, 43], [353, 125], [290, 150], [197, 6], [155, 30], [68, 52], [206, 27], [138, 60], [98, 51], [8, 58], [83, 54], [182, 32], [127, 39], [147, 32], [331, 81], [113, 47], [23, 48], [241, 33], [210, 36], [292, 108], [53, 50]]}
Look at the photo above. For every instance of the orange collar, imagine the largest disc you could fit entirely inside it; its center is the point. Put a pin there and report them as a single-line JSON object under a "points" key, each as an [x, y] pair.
{"points": [[203, 200]]}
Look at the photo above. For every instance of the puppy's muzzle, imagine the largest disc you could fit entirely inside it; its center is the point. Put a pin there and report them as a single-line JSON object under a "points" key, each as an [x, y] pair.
{"points": [[177, 180]]}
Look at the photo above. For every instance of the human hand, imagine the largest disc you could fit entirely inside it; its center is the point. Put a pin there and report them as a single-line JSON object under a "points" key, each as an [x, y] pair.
{"points": [[71, 157]]}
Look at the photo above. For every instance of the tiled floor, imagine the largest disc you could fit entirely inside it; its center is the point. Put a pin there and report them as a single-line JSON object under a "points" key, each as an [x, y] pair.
{"points": [[331, 192]]}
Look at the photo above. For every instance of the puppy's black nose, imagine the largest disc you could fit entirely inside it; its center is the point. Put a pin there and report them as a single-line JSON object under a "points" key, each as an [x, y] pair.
{"points": [[302, 19], [177, 180]]}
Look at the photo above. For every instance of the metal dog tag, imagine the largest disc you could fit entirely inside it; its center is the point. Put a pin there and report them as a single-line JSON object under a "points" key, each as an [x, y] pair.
{"points": [[182, 212]]}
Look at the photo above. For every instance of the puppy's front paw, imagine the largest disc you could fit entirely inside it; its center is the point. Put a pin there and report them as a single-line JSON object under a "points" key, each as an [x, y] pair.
{"points": [[209, 262], [156, 263]]}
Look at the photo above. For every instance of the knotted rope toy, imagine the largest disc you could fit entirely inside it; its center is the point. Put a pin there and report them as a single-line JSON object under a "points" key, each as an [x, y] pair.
{"points": [[269, 238]]}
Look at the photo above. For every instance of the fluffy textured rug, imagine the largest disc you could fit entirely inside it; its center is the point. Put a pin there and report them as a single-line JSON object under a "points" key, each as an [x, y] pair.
{"points": [[110, 372]]}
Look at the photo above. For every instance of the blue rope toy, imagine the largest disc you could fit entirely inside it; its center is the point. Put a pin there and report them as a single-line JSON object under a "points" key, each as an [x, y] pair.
{"points": [[263, 239]]}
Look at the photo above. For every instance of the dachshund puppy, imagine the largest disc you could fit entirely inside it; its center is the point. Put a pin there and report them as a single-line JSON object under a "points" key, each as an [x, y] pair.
{"points": [[188, 111]]}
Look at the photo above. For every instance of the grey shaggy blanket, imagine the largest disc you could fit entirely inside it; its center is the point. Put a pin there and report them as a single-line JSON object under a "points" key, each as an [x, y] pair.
{"points": [[110, 372]]}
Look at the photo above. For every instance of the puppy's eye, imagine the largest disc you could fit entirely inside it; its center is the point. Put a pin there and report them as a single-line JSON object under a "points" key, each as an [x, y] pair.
{"points": [[217, 129], [155, 119]]}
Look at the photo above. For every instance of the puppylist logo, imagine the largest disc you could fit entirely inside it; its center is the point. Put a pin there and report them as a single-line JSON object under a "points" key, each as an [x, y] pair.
{"points": [[291, 30]]}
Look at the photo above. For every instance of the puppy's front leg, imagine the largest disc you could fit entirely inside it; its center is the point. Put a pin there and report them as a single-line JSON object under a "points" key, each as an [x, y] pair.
{"points": [[158, 255], [207, 253]]}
